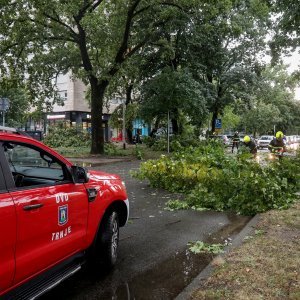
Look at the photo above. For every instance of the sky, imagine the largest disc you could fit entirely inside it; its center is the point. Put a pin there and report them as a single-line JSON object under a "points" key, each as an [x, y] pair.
{"points": [[294, 63]]}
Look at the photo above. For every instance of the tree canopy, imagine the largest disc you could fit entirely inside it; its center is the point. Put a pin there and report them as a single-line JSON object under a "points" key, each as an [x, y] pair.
{"points": [[186, 57], [91, 38], [19, 103]]}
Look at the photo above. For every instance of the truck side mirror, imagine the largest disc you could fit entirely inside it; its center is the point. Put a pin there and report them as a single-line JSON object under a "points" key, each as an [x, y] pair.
{"points": [[79, 174]]}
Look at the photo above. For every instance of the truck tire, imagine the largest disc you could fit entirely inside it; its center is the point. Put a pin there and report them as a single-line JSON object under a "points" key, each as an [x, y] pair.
{"points": [[104, 252]]}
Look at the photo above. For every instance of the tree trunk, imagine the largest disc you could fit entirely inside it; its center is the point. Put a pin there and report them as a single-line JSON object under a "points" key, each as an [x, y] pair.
{"points": [[129, 136], [97, 95], [213, 121], [128, 101], [175, 126]]}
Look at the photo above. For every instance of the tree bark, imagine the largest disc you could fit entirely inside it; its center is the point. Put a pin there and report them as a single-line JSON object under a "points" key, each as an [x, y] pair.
{"points": [[175, 126], [129, 136], [97, 95], [213, 121], [128, 101]]}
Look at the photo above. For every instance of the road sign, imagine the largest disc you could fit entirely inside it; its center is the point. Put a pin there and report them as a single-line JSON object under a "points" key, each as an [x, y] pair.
{"points": [[218, 124], [4, 104]]}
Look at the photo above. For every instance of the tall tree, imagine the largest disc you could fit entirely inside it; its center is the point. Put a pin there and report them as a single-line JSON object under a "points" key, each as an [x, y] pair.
{"points": [[172, 92], [18, 100], [161, 54], [261, 119], [227, 38], [286, 24], [92, 38], [277, 87], [272, 104]]}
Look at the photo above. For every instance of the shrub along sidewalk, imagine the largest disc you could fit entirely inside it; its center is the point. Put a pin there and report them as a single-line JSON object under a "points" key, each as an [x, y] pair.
{"points": [[265, 266]]}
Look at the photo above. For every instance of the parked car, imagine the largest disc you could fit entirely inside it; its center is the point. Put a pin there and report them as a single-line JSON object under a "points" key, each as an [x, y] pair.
{"points": [[292, 142], [54, 217], [264, 141]]}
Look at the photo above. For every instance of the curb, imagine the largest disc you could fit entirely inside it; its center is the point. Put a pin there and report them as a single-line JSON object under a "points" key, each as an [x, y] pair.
{"points": [[207, 271]]}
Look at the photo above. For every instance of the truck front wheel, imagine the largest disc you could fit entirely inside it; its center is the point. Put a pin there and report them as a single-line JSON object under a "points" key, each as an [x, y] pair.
{"points": [[105, 250]]}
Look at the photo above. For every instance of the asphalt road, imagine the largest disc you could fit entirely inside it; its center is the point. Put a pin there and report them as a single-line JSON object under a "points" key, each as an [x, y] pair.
{"points": [[154, 261]]}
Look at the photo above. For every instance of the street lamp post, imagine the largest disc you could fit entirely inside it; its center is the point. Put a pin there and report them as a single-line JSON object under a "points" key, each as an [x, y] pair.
{"points": [[123, 131], [4, 106], [168, 131]]}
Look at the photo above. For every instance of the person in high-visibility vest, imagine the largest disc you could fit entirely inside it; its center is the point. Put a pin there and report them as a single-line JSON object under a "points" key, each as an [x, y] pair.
{"points": [[277, 144], [251, 145], [235, 141]]}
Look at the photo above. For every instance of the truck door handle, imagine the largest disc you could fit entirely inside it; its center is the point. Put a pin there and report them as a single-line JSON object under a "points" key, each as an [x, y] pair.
{"points": [[33, 206]]}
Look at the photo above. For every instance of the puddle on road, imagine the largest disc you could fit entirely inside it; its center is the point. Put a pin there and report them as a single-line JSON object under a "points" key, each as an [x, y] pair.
{"points": [[164, 281], [168, 278]]}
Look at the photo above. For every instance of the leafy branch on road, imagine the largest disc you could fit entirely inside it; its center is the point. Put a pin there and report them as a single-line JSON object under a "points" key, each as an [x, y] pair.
{"points": [[201, 247], [210, 179]]}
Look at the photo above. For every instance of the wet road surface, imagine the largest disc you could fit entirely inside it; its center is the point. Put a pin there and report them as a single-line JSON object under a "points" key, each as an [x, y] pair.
{"points": [[154, 261]]}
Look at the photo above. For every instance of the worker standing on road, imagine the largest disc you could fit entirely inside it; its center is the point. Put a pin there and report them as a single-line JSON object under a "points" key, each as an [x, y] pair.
{"points": [[251, 145], [235, 141]]}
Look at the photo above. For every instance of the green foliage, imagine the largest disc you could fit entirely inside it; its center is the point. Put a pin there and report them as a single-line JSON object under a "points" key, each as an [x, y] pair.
{"points": [[111, 149], [160, 144], [287, 27], [60, 136], [230, 120], [116, 117], [223, 48], [18, 99], [176, 142], [201, 247], [212, 180], [272, 104], [149, 141], [90, 39], [171, 89], [138, 153], [176, 204]]}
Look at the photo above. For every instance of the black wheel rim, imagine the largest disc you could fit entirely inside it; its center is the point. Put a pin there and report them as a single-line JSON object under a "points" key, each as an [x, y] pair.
{"points": [[114, 239]]}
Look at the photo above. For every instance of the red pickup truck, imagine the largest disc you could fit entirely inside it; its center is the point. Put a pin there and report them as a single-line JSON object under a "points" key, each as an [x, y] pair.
{"points": [[54, 216]]}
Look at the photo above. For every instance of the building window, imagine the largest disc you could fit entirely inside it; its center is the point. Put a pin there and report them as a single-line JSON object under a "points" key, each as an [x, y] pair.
{"points": [[63, 95]]}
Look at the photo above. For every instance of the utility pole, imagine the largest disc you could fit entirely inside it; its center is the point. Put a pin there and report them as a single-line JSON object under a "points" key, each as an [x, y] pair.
{"points": [[4, 106], [168, 131], [123, 131]]}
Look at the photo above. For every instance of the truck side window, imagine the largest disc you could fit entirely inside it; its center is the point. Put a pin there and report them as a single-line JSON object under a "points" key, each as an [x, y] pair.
{"points": [[31, 166]]}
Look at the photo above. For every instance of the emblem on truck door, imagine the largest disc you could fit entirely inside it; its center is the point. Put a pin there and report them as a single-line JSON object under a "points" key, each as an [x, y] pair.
{"points": [[62, 215]]}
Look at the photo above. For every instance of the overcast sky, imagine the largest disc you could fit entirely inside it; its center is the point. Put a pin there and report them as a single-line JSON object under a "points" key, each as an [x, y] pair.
{"points": [[294, 64]]}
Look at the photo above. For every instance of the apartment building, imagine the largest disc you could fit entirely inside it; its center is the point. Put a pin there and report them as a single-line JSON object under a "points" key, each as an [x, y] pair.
{"points": [[74, 108]]}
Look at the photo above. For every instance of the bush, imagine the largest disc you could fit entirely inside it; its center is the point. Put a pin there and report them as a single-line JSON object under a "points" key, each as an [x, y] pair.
{"points": [[212, 180], [176, 142], [148, 141], [59, 136]]}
